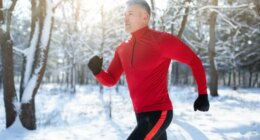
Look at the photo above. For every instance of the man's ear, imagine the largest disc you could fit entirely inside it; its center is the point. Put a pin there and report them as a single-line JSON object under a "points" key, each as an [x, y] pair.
{"points": [[146, 17]]}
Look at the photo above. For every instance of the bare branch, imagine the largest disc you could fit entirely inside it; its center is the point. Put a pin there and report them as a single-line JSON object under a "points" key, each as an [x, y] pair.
{"points": [[250, 5], [19, 51]]}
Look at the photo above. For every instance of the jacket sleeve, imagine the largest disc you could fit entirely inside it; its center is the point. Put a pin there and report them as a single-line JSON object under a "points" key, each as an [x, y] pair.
{"points": [[113, 73], [174, 48]]}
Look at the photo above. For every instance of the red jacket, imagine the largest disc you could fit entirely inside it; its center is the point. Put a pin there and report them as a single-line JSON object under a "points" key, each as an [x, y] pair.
{"points": [[145, 59]]}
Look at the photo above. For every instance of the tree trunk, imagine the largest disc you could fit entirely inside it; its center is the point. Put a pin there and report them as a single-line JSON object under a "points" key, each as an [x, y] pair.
{"points": [[229, 79], [257, 8], [234, 79], [211, 53], [239, 78], [27, 115], [76, 5], [7, 62], [153, 14], [42, 23], [183, 25], [175, 66], [224, 79], [186, 76], [1, 70], [184, 20], [169, 83], [182, 28], [1, 12], [1, 77], [177, 73], [8, 78], [244, 78], [256, 79], [73, 78], [81, 75], [250, 78]]}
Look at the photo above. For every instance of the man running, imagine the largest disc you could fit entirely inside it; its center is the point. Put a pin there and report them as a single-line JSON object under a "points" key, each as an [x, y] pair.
{"points": [[145, 59]]}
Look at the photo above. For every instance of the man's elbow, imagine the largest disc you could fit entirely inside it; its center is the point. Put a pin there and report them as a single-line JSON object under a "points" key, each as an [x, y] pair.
{"points": [[109, 84]]}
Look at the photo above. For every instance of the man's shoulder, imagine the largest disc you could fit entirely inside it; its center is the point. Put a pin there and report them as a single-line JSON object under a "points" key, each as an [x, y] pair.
{"points": [[163, 34], [160, 35], [122, 45]]}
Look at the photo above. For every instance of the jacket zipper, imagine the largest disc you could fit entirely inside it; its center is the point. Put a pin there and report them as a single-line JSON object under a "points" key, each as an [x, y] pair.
{"points": [[133, 51]]}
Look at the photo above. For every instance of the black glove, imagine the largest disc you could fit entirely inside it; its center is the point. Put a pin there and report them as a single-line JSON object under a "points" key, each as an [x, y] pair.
{"points": [[95, 64], [201, 103]]}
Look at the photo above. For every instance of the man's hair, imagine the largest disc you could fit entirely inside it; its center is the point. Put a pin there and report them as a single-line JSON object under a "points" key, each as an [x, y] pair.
{"points": [[141, 3]]}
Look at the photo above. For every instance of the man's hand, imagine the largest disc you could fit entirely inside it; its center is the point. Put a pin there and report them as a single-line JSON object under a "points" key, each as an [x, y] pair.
{"points": [[201, 103], [95, 64]]}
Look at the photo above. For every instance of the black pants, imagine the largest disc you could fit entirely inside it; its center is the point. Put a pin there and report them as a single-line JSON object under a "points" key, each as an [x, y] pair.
{"points": [[151, 125]]}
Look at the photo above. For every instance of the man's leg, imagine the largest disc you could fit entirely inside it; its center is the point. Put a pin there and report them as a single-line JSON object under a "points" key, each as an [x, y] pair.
{"points": [[151, 125], [163, 136]]}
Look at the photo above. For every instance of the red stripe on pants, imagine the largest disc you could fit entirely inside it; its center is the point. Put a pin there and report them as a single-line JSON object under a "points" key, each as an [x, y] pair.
{"points": [[157, 126]]}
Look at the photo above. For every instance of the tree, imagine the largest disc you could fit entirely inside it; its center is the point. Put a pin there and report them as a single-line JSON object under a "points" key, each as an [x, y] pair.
{"points": [[179, 35], [7, 61], [211, 53], [257, 3], [153, 14], [35, 60]]}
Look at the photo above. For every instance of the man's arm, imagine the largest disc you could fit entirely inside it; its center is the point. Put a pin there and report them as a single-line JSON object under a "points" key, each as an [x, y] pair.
{"points": [[174, 48], [113, 73]]}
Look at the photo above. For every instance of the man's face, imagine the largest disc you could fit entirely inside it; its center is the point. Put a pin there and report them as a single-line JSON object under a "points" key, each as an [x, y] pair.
{"points": [[135, 18]]}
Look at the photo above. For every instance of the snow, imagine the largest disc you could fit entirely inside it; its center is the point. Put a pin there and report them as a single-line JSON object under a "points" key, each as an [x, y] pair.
{"points": [[18, 50], [17, 105], [3, 27], [249, 42], [30, 52], [7, 4], [37, 3], [47, 25], [28, 91], [250, 5], [17, 127], [234, 115], [30, 83], [225, 18]]}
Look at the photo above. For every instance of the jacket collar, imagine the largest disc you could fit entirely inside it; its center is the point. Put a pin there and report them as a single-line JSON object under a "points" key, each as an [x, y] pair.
{"points": [[139, 33]]}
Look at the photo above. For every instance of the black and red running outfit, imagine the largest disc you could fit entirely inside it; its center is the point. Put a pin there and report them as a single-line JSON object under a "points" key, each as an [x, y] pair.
{"points": [[145, 59]]}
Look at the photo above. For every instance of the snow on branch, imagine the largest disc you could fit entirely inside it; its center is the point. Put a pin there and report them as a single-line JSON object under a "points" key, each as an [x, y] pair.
{"points": [[47, 25], [19, 51], [68, 53], [3, 27], [30, 54], [37, 3], [225, 18], [28, 91], [250, 5], [7, 4], [31, 83], [57, 4]]}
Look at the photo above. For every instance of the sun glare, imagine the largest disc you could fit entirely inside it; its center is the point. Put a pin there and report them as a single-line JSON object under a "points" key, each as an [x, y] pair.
{"points": [[97, 4]]}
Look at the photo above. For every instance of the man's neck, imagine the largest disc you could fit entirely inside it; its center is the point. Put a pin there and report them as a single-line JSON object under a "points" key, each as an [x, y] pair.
{"points": [[138, 33]]}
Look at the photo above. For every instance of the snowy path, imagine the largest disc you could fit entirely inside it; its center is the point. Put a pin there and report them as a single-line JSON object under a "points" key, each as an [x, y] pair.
{"points": [[181, 130], [178, 130], [84, 116]]}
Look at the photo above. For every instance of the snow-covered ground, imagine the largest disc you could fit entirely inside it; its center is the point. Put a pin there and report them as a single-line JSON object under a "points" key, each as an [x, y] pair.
{"points": [[234, 115]]}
